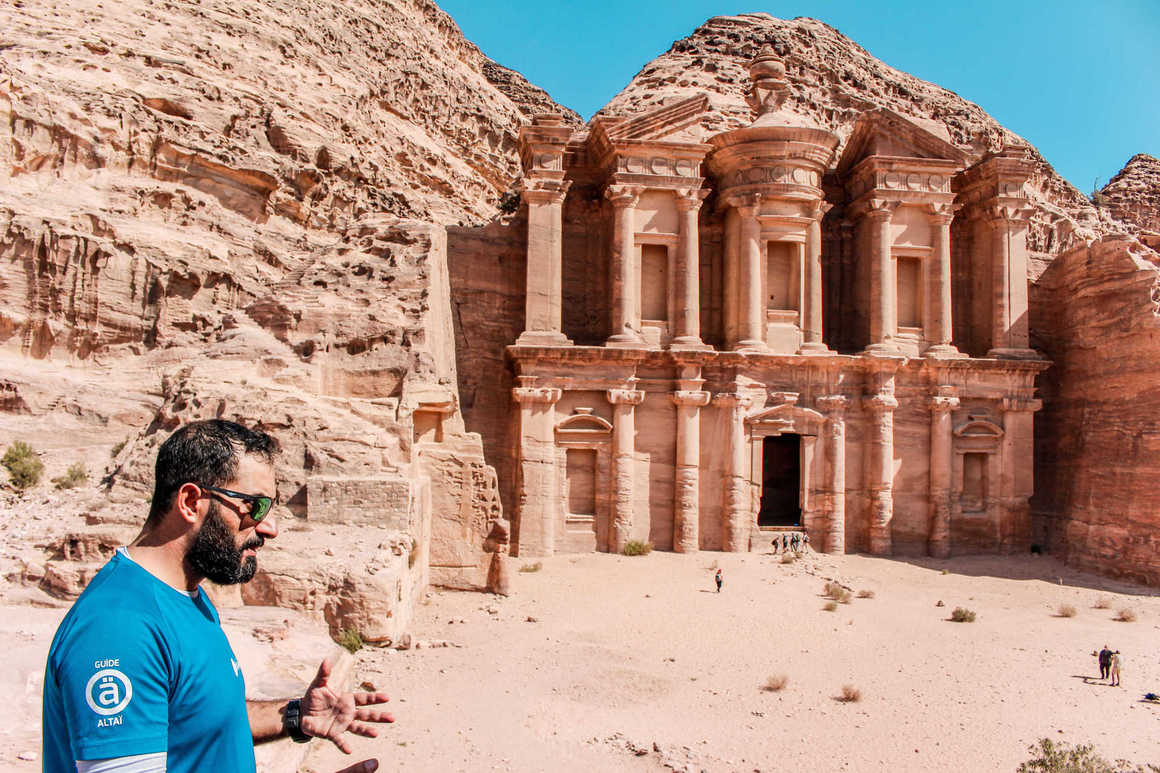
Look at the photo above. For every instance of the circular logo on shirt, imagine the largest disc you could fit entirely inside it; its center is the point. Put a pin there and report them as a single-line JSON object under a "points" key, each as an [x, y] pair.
{"points": [[108, 692]]}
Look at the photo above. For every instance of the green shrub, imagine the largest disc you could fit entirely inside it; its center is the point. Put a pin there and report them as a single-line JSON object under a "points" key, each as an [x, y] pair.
{"points": [[73, 477], [635, 547], [528, 568], [117, 448], [351, 640], [963, 615], [1053, 757], [24, 467]]}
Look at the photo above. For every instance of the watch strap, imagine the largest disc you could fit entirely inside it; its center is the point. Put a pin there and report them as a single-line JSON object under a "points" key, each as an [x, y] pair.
{"points": [[292, 722]]}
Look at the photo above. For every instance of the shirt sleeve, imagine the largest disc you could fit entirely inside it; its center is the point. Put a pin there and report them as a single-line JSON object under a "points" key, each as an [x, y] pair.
{"points": [[114, 682], [138, 763]]}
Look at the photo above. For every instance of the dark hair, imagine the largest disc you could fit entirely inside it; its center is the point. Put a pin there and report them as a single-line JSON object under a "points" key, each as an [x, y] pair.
{"points": [[205, 453]]}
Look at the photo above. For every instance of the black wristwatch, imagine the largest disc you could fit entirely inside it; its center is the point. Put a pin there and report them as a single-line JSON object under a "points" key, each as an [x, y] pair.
{"points": [[292, 722]]}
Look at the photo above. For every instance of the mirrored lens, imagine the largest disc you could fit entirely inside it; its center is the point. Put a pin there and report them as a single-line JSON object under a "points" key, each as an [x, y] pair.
{"points": [[260, 507]]}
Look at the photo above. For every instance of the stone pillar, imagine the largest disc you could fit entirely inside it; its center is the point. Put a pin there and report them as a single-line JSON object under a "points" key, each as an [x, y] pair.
{"points": [[941, 329], [1009, 326], [537, 498], [738, 511], [624, 402], [730, 297], [880, 469], [884, 281], [545, 269], [686, 494], [812, 302], [834, 407], [625, 300], [752, 317], [1017, 479], [942, 405], [688, 316]]}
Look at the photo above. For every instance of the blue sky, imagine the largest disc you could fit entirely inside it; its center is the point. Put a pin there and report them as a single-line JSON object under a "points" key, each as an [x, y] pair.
{"points": [[1079, 80]]}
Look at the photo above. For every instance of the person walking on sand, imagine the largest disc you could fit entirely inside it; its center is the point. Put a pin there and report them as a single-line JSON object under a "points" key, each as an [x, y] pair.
{"points": [[1105, 660], [1115, 668], [719, 580]]}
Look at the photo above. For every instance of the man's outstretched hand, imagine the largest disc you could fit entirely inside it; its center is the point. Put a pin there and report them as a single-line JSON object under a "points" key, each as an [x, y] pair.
{"points": [[327, 713], [366, 766]]}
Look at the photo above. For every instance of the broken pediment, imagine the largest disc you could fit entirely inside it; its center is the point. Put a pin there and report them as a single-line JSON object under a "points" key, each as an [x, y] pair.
{"points": [[675, 122], [886, 133]]}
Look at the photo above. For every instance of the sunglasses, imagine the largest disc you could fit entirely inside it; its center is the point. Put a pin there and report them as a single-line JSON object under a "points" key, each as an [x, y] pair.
{"points": [[259, 505]]}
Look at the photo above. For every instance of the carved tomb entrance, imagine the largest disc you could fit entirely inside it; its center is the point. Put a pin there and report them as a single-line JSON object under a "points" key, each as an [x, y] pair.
{"points": [[780, 481]]}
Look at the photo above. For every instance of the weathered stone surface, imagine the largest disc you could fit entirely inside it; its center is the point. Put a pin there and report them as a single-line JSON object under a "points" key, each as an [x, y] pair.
{"points": [[1133, 195]]}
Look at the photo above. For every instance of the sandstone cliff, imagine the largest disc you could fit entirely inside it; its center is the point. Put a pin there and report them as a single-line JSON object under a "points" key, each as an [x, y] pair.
{"points": [[1133, 195], [833, 80], [237, 209]]}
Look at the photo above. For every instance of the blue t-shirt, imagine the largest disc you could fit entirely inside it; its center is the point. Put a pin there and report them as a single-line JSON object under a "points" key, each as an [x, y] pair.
{"points": [[138, 667]]}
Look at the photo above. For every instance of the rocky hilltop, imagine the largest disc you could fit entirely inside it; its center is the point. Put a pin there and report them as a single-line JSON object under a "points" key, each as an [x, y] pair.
{"points": [[1133, 195], [833, 80]]}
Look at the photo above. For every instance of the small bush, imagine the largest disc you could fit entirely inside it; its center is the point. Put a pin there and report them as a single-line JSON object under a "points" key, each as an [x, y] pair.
{"points": [[1103, 602], [73, 477], [944, 571], [962, 615], [635, 547], [1056, 757], [775, 683], [788, 558], [529, 568], [850, 694], [351, 640], [830, 606], [1126, 615], [23, 465], [1065, 610], [118, 448], [866, 594], [833, 590]]}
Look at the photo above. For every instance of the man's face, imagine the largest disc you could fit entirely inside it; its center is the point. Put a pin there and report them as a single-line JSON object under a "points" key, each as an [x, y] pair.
{"points": [[224, 550]]}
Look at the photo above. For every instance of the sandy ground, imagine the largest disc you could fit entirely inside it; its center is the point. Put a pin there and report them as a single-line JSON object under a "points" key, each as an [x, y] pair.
{"points": [[612, 663]]}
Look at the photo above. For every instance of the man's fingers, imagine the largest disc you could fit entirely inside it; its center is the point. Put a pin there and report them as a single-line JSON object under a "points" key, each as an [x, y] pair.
{"points": [[324, 669], [374, 715], [341, 742], [369, 698], [366, 766], [363, 729]]}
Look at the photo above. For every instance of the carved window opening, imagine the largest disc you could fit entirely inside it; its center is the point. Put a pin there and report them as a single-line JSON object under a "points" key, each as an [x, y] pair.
{"points": [[654, 282], [580, 482], [427, 427], [975, 482], [782, 277], [909, 292]]}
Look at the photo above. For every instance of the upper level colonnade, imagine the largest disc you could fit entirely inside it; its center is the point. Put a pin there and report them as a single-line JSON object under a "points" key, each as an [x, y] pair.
{"points": [[932, 249]]}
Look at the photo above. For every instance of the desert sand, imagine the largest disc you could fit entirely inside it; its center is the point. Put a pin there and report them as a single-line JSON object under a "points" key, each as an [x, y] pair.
{"points": [[602, 662]]}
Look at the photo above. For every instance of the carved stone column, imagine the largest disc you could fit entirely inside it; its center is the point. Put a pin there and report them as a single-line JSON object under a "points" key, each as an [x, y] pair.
{"points": [[881, 468], [537, 499], [738, 495], [1017, 480], [731, 281], [941, 322], [688, 327], [625, 293], [834, 407], [686, 494], [812, 318], [545, 271], [752, 317], [1009, 327], [624, 402], [884, 284], [942, 405]]}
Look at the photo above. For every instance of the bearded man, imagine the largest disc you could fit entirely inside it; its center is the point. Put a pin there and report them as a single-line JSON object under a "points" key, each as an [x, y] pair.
{"points": [[140, 677]]}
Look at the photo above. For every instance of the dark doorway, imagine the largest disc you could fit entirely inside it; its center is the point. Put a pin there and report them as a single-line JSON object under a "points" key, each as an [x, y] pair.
{"points": [[780, 481]]}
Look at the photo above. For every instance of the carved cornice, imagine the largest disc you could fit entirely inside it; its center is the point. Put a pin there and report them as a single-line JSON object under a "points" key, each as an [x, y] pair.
{"points": [[531, 395], [623, 196], [626, 396], [1018, 404], [689, 397]]}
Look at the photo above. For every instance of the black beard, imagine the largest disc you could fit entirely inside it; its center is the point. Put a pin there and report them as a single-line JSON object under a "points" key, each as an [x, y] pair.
{"points": [[214, 555]]}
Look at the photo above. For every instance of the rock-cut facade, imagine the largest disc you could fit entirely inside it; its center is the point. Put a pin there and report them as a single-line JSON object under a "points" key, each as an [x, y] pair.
{"points": [[726, 338]]}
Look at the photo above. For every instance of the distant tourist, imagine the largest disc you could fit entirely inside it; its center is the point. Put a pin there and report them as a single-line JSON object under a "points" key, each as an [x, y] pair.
{"points": [[140, 676], [784, 542], [1115, 667], [1105, 660], [719, 580], [805, 541], [796, 541]]}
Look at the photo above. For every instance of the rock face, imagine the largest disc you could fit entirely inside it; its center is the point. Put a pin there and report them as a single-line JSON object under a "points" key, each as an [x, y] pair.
{"points": [[1096, 314], [239, 210], [1133, 195]]}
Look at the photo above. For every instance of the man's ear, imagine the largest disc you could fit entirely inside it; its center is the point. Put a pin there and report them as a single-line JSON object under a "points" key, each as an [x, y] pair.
{"points": [[187, 503]]}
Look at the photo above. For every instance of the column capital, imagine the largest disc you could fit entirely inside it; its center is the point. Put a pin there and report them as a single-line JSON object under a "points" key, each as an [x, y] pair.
{"points": [[733, 400], [1019, 404], [943, 403], [546, 395], [746, 204], [881, 402], [691, 397], [1008, 215], [623, 196], [626, 396], [690, 199], [940, 214], [834, 406], [881, 209], [545, 191]]}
